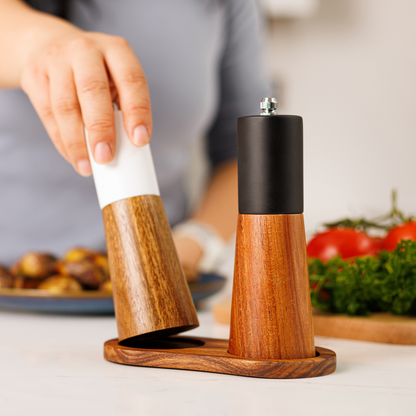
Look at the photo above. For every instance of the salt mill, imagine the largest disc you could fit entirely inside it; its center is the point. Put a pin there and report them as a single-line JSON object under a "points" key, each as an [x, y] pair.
{"points": [[150, 292], [271, 308]]}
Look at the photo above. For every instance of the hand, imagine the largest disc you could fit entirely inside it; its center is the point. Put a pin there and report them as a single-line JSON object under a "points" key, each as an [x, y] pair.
{"points": [[72, 82]]}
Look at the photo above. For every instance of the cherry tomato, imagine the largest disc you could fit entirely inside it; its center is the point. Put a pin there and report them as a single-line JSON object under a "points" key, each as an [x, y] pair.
{"points": [[406, 231], [345, 242], [378, 241]]}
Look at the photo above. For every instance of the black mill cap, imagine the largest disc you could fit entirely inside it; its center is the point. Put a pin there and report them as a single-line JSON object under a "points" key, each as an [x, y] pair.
{"points": [[270, 164]]}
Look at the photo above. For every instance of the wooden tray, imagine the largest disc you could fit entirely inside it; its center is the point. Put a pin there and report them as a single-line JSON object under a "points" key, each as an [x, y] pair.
{"points": [[381, 327], [211, 355]]}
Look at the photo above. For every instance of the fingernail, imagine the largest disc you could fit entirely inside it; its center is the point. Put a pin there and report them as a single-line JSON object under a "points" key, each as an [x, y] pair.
{"points": [[140, 136], [102, 153], [84, 167]]}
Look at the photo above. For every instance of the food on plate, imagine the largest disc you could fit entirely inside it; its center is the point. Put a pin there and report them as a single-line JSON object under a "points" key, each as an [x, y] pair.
{"points": [[79, 269], [6, 279], [78, 253], [106, 286], [60, 283], [86, 272], [23, 282], [101, 260], [34, 265]]}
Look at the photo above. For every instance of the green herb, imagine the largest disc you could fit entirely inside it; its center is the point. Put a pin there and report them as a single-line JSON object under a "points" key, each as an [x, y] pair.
{"points": [[386, 283]]}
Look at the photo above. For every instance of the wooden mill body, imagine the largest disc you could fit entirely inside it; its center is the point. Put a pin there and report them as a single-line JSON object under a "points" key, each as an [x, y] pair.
{"points": [[151, 295], [271, 314]]}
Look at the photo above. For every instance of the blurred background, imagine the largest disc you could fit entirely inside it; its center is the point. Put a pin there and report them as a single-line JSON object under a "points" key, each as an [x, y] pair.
{"points": [[348, 68]]}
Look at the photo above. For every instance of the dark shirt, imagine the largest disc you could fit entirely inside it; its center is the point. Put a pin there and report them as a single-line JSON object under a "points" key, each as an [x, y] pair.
{"points": [[55, 7]]}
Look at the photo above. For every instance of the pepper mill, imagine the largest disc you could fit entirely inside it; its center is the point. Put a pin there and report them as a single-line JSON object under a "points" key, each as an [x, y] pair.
{"points": [[271, 332], [271, 307], [150, 292]]}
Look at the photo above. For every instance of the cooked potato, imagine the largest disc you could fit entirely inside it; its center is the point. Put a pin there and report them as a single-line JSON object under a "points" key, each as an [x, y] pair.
{"points": [[106, 286], [88, 268], [6, 279], [59, 283], [78, 254], [101, 260], [85, 271], [35, 265], [23, 282]]}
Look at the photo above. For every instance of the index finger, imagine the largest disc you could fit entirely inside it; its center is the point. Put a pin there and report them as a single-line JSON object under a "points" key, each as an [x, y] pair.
{"points": [[130, 81]]}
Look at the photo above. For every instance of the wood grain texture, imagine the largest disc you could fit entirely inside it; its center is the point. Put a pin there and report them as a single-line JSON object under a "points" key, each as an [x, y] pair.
{"points": [[380, 327], [271, 315], [213, 357], [151, 296]]}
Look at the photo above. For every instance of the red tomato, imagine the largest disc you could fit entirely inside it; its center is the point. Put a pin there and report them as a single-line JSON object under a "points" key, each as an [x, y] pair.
{"points": [[378, 241], [345, 242], [406, 231]]}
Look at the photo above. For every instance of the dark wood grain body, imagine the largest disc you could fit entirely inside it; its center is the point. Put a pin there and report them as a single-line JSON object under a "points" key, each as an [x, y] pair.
{"points": [[213, 357], [271, 314], [151, 296]]}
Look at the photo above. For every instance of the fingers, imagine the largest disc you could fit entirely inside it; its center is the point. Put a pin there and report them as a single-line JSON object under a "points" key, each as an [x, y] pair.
{"points": [[93, 90], [75, 82], [35, 84], [67, 114], [133, 93]]}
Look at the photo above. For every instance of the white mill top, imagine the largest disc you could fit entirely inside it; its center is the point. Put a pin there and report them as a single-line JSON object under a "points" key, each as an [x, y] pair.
{"points": [[131, 172]]}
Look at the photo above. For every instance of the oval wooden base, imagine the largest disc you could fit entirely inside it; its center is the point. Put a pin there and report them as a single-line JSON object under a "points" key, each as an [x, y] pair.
{"points": [[187, 353]]}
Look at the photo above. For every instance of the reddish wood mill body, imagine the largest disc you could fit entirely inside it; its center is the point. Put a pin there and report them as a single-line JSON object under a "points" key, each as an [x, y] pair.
{"points": [[271, 310]]}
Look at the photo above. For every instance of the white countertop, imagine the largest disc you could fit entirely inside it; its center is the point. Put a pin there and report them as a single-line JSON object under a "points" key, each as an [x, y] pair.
{"points": [[54, 365]]}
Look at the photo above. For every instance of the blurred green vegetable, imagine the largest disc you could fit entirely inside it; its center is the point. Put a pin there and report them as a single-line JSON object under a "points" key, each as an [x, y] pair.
{"points": [[386, 283]]}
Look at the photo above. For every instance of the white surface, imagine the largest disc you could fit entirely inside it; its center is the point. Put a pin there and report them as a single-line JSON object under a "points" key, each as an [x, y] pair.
{"points": [[130, 173], [350, 72], [54, 365]]}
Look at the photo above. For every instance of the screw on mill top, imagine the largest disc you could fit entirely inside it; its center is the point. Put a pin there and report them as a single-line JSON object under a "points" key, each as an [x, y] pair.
{"points": [[268, 106]]}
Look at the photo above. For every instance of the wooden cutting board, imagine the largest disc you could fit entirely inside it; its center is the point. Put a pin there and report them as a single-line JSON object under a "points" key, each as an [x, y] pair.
{"points": [[380, 327]]}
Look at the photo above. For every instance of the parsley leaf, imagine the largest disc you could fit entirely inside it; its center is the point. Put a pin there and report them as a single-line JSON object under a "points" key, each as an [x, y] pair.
{"points": [[386, 283]]}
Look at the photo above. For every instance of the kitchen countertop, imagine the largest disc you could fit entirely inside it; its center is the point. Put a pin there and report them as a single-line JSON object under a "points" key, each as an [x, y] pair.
{"points": [[54, 365]]}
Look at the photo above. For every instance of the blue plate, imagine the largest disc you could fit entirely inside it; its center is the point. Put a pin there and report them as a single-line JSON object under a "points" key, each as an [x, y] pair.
{"points": [[89, 302]]}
